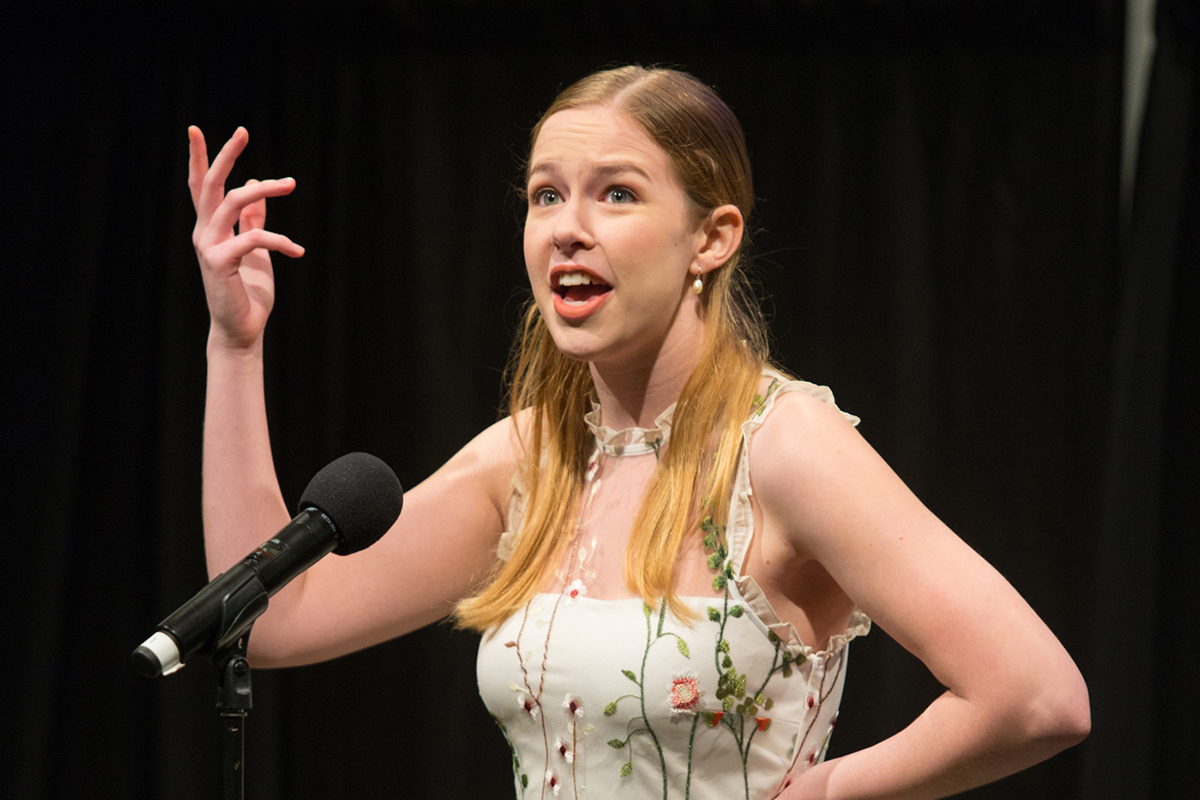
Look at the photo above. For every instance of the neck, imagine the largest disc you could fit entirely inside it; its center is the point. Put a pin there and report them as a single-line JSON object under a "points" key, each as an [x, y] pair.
{"points": [[633, 394]]}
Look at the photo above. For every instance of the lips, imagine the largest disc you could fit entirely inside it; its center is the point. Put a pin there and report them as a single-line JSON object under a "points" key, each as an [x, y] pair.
{"points": [[578, 292]]}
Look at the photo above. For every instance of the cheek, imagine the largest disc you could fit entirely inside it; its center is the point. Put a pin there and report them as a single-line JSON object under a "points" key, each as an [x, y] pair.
{"points": [[663, 255], [532, 251]]}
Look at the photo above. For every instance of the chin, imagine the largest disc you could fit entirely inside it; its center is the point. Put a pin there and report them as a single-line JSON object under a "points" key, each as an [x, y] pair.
{"points": [[575, 346]]}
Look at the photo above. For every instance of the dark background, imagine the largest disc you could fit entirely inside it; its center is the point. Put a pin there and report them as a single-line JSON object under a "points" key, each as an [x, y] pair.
{"points": [[939, 237]]}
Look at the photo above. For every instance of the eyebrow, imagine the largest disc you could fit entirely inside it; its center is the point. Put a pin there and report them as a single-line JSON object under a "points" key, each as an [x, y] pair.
{"points": [[605, 170]]}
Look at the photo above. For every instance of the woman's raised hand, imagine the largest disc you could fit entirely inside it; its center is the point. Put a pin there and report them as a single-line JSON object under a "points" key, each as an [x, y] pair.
{"points": [[236, 266]]}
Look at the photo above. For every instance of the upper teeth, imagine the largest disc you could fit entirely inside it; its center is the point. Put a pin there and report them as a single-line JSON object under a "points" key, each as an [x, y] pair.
{"points": [[574, 279]]}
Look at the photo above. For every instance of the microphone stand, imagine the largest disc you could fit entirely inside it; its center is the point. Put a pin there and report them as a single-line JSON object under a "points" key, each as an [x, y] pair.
{"points": [[233, 704]]}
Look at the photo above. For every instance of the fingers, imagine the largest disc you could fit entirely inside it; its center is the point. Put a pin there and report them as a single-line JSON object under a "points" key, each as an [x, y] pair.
{"points": [[253, 215], [233, 250], [197, 162], [207, 183], [230, 209], [217, 212], [212, 187]]}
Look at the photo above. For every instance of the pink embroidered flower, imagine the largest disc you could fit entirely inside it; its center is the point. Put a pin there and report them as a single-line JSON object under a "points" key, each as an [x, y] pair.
{"points": [[812, 757], [564, 750], [553, 782], [684, 693], [573, 704], [528, 704], [575, 590]]}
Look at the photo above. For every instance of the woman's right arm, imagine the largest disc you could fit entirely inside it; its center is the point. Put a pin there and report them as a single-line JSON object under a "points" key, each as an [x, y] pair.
{"points": [[241, 497], [443, 543]]}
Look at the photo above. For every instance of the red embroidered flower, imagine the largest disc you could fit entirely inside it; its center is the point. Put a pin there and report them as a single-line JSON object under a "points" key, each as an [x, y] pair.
{"points": [[714, 718], [573, 704], [685, 693], [528, 704], [762, 722], [575, 590]]}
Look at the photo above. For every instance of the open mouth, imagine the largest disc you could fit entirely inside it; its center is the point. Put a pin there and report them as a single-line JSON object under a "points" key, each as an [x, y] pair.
{"points": [[578, 288]]}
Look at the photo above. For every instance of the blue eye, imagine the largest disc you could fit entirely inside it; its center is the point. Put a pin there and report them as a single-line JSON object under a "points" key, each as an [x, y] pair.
{"points": [[619, 195]]}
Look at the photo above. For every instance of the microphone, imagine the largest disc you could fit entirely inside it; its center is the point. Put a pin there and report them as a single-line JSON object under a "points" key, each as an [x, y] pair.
{"points": [[346, 507]]}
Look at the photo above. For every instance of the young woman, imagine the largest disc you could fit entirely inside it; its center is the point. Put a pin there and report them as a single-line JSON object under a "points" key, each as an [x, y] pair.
{"points": [[669, 543]]}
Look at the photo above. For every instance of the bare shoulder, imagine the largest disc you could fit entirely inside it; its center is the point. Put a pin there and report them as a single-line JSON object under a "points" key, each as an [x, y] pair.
{"points": [[824, 489], [487, 461], [805, 449]]}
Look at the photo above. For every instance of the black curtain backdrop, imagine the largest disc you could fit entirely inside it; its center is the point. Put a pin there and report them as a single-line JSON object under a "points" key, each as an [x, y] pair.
{"points": [[936, 238]]}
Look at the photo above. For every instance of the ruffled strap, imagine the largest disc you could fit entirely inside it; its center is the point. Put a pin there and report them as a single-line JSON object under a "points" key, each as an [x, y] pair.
{"points": [[739, 529]]}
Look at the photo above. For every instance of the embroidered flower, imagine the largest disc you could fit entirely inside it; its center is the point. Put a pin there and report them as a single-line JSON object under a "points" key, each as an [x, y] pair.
{"points": [[713, 718], [573, 704], [762, 722], [564, 750], [575, 590], [810, 702], [812, 757], [553, 782], [528, 704], [684, 693]]}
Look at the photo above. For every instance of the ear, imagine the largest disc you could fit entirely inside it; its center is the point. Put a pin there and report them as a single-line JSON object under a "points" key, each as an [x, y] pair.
{"points": [[721, 233]]}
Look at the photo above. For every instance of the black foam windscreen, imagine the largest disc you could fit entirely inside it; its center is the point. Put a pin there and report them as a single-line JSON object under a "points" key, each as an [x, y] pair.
{"points": [[361, 494]]}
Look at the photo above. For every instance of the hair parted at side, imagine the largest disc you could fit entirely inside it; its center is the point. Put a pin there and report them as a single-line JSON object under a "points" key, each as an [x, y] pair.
{"points": [[550, 393]]}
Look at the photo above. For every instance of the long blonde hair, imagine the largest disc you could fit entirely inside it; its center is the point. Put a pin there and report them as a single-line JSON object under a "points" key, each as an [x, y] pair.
{"points": [[552, 393]]}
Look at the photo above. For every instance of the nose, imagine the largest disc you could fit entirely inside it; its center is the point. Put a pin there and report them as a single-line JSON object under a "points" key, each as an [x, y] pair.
{"points": [[572, 227]]}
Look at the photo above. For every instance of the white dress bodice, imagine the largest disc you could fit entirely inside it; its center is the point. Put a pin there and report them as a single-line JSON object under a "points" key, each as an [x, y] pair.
{"points": [[614, 698]]}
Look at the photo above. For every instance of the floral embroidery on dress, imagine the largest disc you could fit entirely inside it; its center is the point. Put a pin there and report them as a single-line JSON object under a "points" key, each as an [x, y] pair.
{"points": [[739, 706], [530, 700], [760, 400], [639, 679], [576, 590], [529, 704], [741, 703], [684, 693], [552, 782], [519, 777], [698, 712]]}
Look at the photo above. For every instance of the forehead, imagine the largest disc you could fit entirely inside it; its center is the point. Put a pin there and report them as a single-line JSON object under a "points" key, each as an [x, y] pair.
{"points": [[596, 135]]}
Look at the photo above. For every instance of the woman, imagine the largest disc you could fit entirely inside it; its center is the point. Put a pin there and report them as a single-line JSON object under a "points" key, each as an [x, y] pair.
{"points": [[668, 544]]}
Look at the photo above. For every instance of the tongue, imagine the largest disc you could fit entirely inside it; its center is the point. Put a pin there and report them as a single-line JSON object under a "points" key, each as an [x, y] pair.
{"points": [[584, 292]]}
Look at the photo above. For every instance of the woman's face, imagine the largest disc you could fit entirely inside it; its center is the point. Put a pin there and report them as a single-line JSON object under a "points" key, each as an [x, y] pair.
{"points": [[609, 240]]}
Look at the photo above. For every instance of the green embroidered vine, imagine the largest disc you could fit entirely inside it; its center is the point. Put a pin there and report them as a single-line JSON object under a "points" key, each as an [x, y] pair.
{"points": [[519, 777], [652, 638], [760, 400], [738, 705]]}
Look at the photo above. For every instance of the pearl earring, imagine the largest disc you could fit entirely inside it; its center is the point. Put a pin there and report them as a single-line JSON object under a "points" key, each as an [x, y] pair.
{"points": [[698, 285]]}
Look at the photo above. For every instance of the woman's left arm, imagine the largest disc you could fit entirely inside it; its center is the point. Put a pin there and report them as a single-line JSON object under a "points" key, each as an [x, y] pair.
{"points": [[1013, 695]]}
